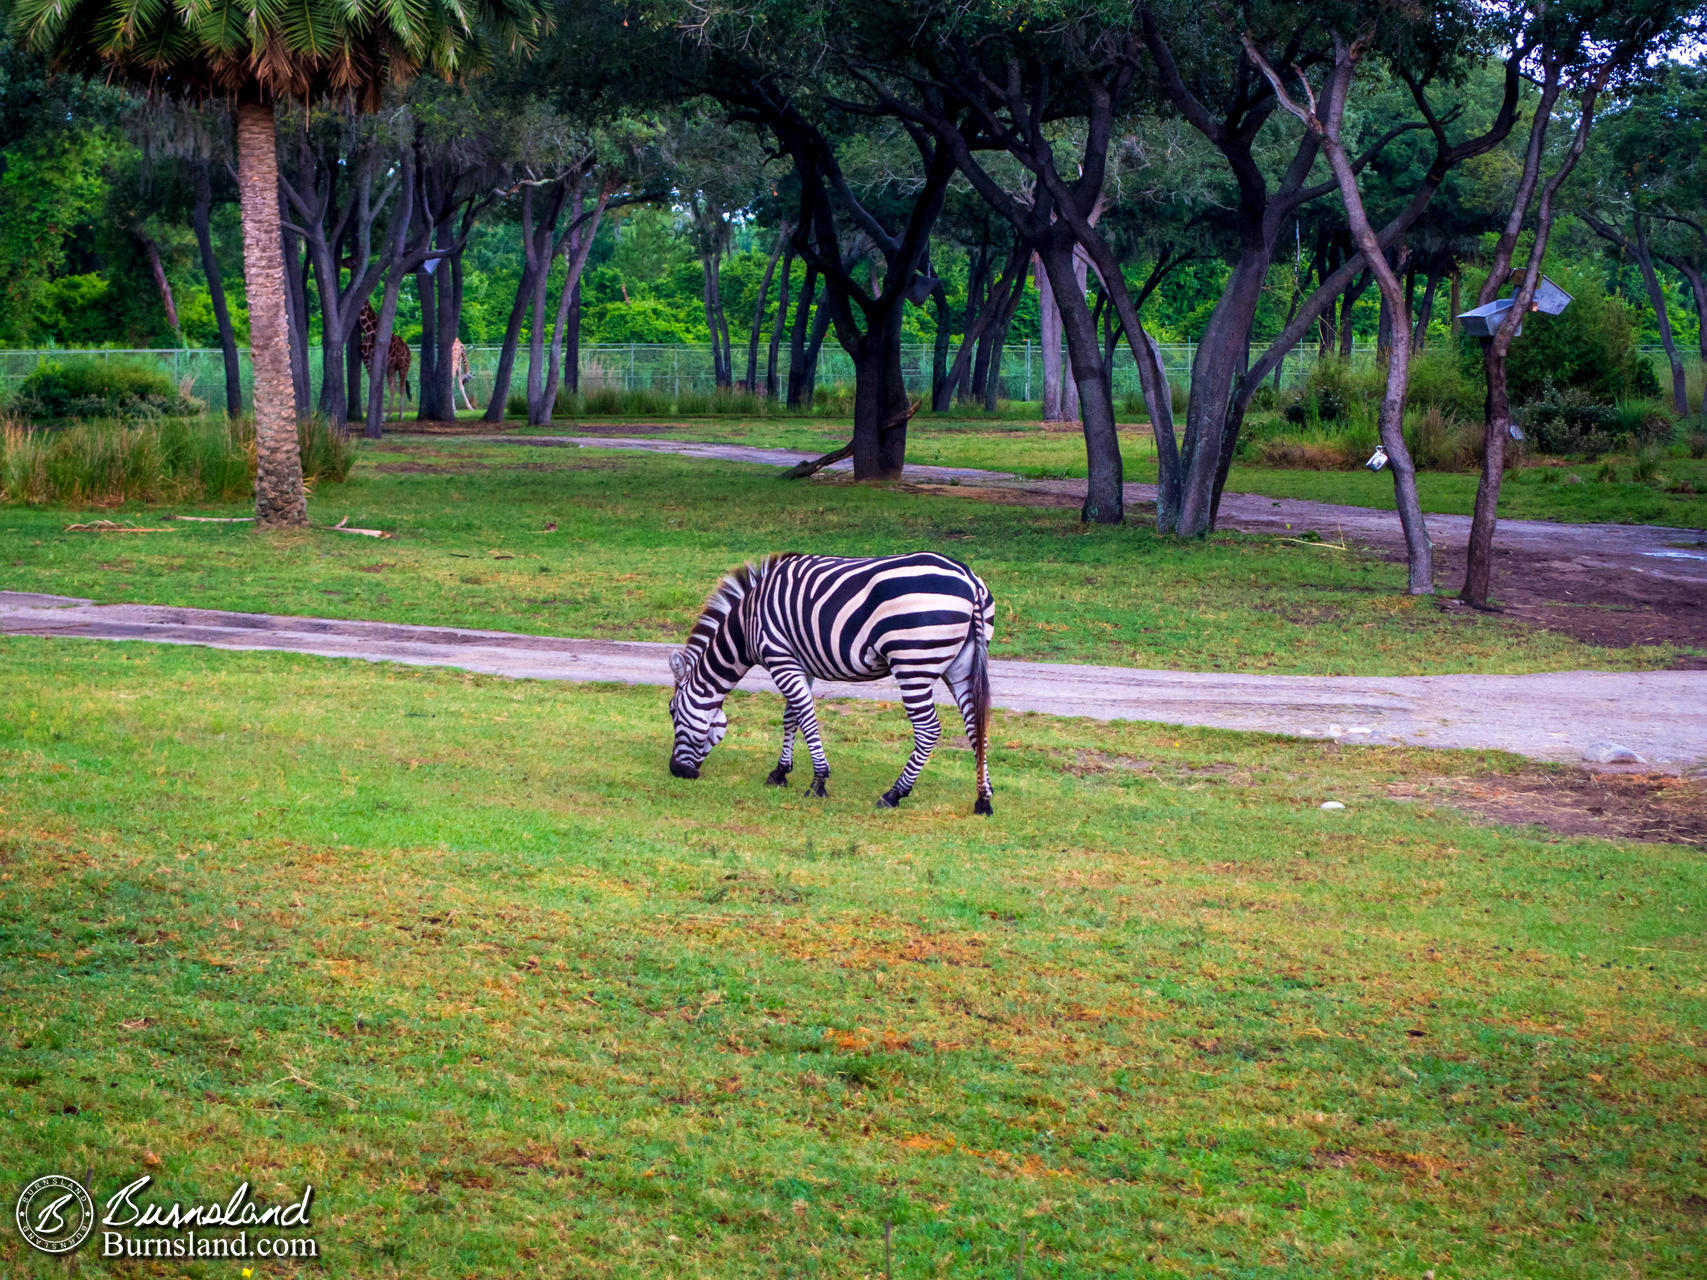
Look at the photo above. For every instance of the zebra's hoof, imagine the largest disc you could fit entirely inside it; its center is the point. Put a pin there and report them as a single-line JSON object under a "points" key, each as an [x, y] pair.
{"points": [[983, 806], [817, 788], [777, 777], [888, 800]]}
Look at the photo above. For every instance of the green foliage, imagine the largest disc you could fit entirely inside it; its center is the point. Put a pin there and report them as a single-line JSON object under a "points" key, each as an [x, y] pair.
{"points": [[72, 310], [1590, 347], [1571, 420], [104, 464], [86, 388], [50, 183]]}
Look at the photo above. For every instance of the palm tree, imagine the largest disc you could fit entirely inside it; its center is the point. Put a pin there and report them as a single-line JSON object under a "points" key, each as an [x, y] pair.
{"points": [[253, 54]]}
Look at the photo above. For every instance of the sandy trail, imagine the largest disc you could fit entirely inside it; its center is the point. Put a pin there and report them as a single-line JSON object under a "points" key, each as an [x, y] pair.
{"points": [[1659, 715]]}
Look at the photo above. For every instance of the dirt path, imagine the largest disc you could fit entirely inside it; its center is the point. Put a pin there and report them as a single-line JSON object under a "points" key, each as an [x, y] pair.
{"points": [[1660, 716], [1610, 584]]}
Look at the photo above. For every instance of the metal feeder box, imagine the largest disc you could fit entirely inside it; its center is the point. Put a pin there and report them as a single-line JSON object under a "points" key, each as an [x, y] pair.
{"points": [[1550, 299], [1481, 322]]}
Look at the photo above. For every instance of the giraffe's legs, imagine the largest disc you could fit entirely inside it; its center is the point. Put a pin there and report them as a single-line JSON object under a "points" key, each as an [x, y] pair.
{"points": [[921, 710]]}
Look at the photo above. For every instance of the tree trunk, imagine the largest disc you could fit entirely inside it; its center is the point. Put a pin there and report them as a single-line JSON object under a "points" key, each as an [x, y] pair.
{"points": [[771, 385], [157, 269], [572, 344], [279, 498], [752, 380], [1479, 554], [1348, 306], [498, 405], [427, 406], [1657, 298], [1419, 336], [296, 323], [1049, 339], [942, 387], [352, 376], [1105, 497], [1218, 364], [201, 219], [447, 290], [799, 394], [880, 403]]}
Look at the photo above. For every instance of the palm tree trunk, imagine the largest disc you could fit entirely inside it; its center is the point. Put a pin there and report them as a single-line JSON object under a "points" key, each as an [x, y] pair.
{"points": [[279, 498]]}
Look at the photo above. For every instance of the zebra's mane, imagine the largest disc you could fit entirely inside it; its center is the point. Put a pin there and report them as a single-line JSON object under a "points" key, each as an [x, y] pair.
{"points": [[735, 586]]}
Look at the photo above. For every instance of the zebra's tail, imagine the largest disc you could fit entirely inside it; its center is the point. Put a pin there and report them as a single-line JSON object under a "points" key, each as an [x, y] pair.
{"points": [[980, 682]]}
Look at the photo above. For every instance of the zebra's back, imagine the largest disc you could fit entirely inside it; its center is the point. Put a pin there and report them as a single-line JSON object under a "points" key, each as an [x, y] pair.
{"points": [[856, 618]]}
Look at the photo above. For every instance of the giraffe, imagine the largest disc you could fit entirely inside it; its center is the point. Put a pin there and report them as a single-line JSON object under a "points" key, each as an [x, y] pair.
{"points": [[397, 359], [460, 373]]}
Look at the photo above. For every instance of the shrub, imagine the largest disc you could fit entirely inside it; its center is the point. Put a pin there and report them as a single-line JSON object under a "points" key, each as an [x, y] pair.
{"points": [[1698, 444], [111, 463], [101, 389], [1569, 420]]}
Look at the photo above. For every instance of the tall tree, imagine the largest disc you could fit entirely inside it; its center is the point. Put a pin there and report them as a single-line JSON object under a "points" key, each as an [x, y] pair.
{"points": [[255, 55], [1647, 194], [1579, 48]]}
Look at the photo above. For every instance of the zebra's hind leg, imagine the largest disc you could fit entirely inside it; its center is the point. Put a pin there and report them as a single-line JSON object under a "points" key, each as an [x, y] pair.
{"points": [[921, 710]]}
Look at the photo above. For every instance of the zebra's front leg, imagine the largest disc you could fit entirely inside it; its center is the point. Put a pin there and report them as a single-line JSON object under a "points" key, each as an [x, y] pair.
{"points": [[796, 688], [921, 710], [778, 777]]}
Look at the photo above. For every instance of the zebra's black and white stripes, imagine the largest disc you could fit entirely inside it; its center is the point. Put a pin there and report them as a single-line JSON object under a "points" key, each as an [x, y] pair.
{"points": [[920, 618]]}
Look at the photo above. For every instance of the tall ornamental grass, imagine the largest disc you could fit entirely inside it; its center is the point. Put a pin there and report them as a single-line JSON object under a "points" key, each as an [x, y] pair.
{"points": [[110, 463]]}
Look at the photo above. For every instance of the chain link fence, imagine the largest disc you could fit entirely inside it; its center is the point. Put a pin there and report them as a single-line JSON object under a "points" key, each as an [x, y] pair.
{"points": [[673, 369]]}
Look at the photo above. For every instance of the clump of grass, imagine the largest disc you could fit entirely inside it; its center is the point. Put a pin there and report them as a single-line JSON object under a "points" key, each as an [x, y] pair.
{"points": [[1645, 468], [1440, 441], [1698, 444], [111, 463]]}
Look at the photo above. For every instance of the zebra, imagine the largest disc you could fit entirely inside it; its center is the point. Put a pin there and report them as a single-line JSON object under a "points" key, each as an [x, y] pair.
{"points": [[917, 617]]}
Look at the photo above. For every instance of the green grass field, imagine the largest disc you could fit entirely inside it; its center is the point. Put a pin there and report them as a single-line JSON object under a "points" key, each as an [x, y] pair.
{"points": [[457, 951], [640, 540], [1573, 493]]}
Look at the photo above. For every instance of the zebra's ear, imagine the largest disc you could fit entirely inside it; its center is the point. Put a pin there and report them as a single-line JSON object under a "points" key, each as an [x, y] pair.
{"points": [[678, 664]]}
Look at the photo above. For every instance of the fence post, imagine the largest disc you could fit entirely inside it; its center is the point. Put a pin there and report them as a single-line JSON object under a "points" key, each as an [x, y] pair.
{"points": [[1027, 395]]}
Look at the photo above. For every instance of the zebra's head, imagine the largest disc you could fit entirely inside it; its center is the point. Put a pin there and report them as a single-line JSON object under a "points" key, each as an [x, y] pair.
{"points": [[698, 716]]}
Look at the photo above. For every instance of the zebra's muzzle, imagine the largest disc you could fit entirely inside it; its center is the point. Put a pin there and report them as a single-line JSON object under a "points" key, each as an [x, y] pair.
{"points": [[682, 770]]}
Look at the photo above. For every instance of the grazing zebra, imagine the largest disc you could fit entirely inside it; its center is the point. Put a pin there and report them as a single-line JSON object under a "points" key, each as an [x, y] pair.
{"points": [[920, 618]]}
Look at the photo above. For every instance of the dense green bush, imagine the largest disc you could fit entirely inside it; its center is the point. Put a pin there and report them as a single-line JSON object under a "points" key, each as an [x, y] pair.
{"points": [[1589, 347], [1572, 420], [110, 463], [88, 388]]}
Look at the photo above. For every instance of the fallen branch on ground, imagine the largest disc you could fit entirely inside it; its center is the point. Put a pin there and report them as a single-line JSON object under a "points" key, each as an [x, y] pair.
{"points": [[803, 469], [108, 526], [215, 519]]}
